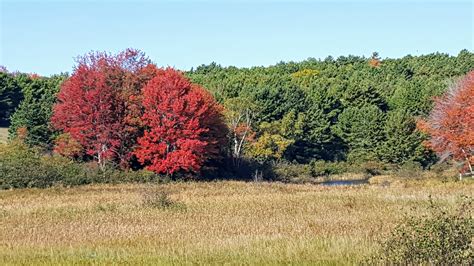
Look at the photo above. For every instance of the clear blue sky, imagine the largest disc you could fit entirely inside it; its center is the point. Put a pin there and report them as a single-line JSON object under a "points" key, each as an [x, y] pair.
{"points": [[44, 37]]}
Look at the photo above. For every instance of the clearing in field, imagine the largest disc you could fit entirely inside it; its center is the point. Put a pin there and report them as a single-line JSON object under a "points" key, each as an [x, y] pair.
{"points": [[208, 223]]}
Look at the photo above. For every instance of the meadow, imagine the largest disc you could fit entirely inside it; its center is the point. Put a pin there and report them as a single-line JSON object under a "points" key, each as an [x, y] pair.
{"points": [[210, 222]]}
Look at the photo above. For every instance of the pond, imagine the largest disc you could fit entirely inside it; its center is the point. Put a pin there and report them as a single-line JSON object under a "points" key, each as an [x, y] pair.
{"points": [[345, 182]]}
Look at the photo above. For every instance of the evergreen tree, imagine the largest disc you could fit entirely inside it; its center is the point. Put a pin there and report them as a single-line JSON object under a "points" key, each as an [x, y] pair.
{"points": [[362, 130], [10, 97], [34, 112]]}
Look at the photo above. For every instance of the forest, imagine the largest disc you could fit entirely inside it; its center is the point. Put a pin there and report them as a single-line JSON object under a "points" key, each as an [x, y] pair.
{"points": [[325, 116]]}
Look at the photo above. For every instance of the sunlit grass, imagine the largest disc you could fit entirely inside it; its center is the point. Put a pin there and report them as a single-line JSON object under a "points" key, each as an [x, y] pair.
{"points": [[3, 134], [218, 222]]}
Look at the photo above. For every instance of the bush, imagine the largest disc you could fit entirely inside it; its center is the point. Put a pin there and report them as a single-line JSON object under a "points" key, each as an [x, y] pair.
{"points": [[441, 238], [324, 168], [445, 170], [112, 175], [371, 168], [410, 170], [291, 172], [73, 174], [69, 173], [21, 166], [160, 198]]}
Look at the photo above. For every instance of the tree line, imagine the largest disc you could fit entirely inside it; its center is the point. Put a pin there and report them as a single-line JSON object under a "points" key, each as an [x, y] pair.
{"points": [[351, 108], [134, 114]]}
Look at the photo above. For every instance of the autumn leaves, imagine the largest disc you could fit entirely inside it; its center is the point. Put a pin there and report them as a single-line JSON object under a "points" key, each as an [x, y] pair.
{"points": [[123, 109], [183, 125], [451, 123]]}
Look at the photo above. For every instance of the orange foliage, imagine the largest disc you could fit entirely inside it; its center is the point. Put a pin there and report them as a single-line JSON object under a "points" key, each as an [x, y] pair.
{"points": [[67, 146], [374, 62], [451, 123], [21, 133], [245, 131]]}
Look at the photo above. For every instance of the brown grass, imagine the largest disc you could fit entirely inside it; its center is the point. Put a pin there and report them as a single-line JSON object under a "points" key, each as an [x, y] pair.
{"points": [[214, 223], [3, 134]]}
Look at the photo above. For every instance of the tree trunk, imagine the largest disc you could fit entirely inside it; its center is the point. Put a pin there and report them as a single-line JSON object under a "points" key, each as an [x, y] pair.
{"points": [[100, 157]]}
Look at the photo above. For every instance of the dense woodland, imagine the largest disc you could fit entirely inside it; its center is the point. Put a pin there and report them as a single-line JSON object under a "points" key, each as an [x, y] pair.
{"points": [[348, 109]]}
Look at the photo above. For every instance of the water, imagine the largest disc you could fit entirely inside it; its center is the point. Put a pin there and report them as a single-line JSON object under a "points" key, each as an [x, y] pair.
{"points": [[345, 182]]}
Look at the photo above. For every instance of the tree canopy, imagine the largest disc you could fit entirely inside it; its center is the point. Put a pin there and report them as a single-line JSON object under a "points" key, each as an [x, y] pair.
{"points": [[349, 108]]}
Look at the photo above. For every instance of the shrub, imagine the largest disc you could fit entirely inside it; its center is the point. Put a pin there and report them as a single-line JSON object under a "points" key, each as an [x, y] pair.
{"points": [[291, 172], [143, 176], [160, 198], [445, 170], [21, 166], [440, 238], [113, 175], [69, 173], [324, 168], [410, 169], [371, 168]]}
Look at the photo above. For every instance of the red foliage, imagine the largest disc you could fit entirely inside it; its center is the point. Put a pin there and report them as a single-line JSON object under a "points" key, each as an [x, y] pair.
{"points": [[451, 123], [98, 105], [184, 126]]}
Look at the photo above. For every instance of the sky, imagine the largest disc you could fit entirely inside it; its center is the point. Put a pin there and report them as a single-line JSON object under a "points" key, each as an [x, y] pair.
{"points": [[45, 37]]}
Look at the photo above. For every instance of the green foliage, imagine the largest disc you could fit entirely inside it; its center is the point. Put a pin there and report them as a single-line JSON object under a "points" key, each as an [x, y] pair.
{"points": [[34, 112], [350, 109], [112, 175], [292, 125], [416, 96], [362, 131], [275, 101], [324, 168], [440, 238], [410, 169], [22, 166], [10, 97], [402, 141], [291, 172], [370, 167], [318, 141], [323, 95]]}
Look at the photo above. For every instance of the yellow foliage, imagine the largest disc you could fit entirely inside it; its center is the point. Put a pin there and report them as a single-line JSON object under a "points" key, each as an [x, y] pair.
{"points": [[269, 146], [305, 73]]}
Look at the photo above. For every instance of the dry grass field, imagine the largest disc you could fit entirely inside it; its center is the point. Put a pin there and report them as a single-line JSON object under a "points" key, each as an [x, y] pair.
{"points": [[208, 223], [3, 134]]}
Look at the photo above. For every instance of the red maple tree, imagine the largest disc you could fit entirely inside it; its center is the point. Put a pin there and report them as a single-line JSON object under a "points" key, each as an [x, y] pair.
{"points": [[184, 127], [451, 123], [99, 105]]}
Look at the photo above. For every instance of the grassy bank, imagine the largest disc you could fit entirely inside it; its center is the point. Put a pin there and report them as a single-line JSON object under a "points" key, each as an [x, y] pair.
{"points": [[210, 223]]}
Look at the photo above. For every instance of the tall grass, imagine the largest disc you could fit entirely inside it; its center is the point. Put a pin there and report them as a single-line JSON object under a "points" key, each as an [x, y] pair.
{"points": [[3, 134], [222, 222]]}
